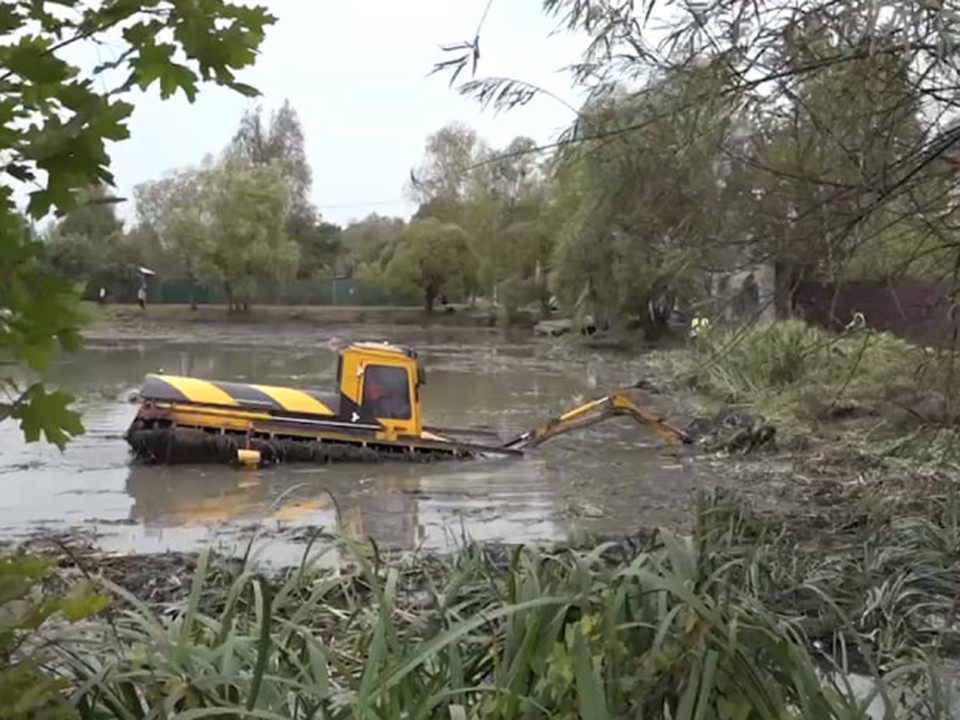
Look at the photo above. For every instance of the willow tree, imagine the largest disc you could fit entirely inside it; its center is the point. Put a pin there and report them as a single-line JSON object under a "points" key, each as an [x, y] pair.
{"points": [[227, 222], [645, 206], [246, 210], [850, 111], [168, 208], [279, 139]]}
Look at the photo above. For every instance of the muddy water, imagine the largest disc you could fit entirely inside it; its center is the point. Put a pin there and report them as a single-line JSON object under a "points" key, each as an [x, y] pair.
{"points": [[610, 478]]}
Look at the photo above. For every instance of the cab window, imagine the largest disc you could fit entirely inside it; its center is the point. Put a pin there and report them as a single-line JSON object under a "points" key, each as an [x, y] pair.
{"points": [[386, 392]]}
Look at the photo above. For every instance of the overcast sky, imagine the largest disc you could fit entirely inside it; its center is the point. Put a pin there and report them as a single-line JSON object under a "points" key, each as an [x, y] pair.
{"points": [[356, 73]]}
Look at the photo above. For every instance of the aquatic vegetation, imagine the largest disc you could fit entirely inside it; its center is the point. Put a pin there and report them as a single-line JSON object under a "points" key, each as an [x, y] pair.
{"points": [[740, 620], [794, 370]]}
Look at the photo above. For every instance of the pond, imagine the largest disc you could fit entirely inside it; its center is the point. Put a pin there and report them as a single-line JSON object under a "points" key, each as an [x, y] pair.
{"points": [[610, 478]]}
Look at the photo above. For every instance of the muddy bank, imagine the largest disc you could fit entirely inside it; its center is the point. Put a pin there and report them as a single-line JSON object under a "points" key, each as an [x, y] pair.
{"points": [[165, 578], [309, 315], [288, 333]]}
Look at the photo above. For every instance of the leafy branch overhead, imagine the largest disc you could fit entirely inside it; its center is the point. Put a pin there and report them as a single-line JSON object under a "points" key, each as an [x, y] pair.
{"points": [[816, 137], [55, 122], [766, 58]]}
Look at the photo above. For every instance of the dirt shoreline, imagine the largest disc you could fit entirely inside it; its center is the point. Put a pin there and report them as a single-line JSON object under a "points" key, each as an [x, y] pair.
{"points": [[308, 315], [283, 330]]}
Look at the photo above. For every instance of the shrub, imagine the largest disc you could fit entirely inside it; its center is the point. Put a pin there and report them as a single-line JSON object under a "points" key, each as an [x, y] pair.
{"points": [[779, 363], [27, 608]]}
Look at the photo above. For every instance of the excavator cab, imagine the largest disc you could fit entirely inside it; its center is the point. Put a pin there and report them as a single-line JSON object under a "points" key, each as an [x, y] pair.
{"points": [[381, 382]]}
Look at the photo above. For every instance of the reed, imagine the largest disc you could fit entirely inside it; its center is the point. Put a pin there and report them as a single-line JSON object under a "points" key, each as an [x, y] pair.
{"points": [[672, 627], [791, 369]]}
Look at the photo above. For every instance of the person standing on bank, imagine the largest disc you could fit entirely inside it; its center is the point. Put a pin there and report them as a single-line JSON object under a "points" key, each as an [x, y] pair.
{"points": [[142, 296]]}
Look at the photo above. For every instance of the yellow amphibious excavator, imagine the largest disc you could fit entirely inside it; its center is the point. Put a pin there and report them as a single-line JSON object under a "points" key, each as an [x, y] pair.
{"points": [[374, 415]]}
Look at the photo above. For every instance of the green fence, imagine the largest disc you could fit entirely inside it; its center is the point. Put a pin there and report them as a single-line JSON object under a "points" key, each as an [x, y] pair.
{"points": [[183, 292], [306, 291]]}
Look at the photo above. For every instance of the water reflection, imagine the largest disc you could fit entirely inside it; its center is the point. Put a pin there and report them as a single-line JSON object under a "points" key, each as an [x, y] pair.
{"points": [[384, 507], [397, 506]]}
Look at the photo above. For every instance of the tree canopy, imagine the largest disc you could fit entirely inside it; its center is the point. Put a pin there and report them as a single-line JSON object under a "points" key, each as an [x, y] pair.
{"points": [[432, 256], [227, 223], [57, 119], [815, 136], [281, 140]]}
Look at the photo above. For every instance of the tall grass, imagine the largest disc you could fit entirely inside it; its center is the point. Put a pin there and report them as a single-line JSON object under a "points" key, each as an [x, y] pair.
{"points": [[789, 368], [677, 628]]}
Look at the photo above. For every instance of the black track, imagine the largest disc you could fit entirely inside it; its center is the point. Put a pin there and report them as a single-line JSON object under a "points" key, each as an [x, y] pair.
{"points": [[191, 446]]}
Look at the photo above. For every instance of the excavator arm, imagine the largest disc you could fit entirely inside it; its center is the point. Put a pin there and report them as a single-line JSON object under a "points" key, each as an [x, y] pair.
{"points": [[617, 403]]}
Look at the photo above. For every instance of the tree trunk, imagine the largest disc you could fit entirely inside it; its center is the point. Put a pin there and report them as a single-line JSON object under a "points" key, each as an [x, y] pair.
{"points": [[193, 293], [788, 276], [655, 318], [544, 297], [429, 297]]}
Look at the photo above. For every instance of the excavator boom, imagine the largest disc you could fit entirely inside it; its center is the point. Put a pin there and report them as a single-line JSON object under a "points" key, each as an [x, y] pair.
{"points": [[617, 403]]}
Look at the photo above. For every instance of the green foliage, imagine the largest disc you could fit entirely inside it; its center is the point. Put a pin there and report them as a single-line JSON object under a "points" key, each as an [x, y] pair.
{"points": [[854, 121], [716, 625], [26, 605], [807, 134], [433, 257], [55, 123], [794, 368], [69, 116], [371, 241], [321, 251], [281, 141], [445, 173], [499, 197], [40, 316], [169, 209], [245, 213], [227, 222], [640, 212], [94, 217], [89, 246], [55, 126]]}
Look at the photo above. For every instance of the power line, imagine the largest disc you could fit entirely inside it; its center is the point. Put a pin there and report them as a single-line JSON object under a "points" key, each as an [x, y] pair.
{"points": [[366, 203]]}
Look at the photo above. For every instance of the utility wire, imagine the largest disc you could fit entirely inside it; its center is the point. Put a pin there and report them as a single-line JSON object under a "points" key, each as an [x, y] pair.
{"points": [[364, 203]]}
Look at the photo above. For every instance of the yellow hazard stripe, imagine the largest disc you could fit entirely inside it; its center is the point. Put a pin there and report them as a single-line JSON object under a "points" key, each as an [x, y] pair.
{"points": [[200, 391], [427, 435], [294, 400]]}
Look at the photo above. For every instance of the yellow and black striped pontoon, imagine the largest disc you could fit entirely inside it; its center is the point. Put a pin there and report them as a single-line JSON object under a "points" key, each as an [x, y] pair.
{"points": [[374, 414]]}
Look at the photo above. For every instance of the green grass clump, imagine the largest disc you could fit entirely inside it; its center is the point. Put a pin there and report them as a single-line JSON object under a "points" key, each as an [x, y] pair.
{"points": [[789, 368], [677, 628]]}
